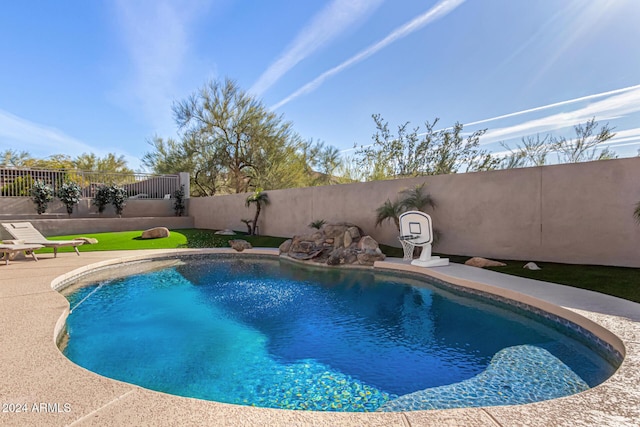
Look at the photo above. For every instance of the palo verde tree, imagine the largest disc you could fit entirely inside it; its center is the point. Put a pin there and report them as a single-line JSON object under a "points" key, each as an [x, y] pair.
{"points": [[231, 143], [412, 152], [584, 147], [230, 137]]}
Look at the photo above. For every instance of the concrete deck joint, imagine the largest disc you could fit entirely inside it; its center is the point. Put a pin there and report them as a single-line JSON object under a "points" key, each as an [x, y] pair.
{"points": [[405, 420], [493, 419], [95, 411]]}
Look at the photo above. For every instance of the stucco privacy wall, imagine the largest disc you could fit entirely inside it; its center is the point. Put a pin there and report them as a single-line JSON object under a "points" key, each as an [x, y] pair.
{"points": [[23, 206], [577, 213]]}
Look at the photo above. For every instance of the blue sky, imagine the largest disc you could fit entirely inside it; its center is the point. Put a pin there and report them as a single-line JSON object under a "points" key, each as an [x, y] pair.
{"points": [[100, 76]]}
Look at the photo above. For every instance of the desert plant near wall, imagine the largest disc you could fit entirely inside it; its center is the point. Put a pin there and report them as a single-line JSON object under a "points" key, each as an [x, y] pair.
{"points": [[178, 204], [70, 194], [41, 194], [636, 213]]}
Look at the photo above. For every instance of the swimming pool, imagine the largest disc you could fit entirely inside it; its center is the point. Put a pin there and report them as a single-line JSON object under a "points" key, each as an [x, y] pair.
{"points": [[274, 334]]}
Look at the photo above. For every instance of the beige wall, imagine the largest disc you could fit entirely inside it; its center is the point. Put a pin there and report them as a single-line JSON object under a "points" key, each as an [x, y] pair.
{"points": [[24, 207], [578, 213]]}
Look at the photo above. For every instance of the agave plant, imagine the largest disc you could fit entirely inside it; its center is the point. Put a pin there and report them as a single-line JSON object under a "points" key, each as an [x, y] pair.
{"points": [[317, 224], [636, 213]]}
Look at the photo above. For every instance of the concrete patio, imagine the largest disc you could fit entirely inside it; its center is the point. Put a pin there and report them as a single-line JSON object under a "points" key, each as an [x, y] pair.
{"points": [[50, 390]]}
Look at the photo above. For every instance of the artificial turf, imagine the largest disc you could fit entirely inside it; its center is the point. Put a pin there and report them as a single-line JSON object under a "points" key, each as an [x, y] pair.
{"points": [[617, 281]]}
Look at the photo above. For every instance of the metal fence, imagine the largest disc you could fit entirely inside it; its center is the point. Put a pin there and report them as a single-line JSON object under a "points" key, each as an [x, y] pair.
{"points": [[18, 182]]}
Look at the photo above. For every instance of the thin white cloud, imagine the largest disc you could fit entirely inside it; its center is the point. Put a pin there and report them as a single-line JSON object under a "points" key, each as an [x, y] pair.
{"points": [[624, 102], [17, 133], [329, 23], [556, 104], [23, 135], [156, 36], [441, 9]]}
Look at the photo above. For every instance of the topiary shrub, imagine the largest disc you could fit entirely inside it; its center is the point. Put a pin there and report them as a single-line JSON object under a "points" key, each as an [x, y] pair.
{"points": [[102, 198], [41, 194], [178, 204], [118, 198], [70, 194]]}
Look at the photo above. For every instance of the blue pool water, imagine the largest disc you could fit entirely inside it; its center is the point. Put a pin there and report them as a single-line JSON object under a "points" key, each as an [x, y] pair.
{"points": [[274, 334]]}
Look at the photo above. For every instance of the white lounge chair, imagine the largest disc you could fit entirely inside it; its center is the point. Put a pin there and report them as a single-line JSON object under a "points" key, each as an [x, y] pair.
{"points": [[7, 250], [416, 230], [26, 232]]}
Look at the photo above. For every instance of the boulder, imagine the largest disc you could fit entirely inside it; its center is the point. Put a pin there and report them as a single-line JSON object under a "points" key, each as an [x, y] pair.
{"points": [[368, 257], [305, 255], [367, 243], [347, 240], [155, 233], [240, 245], [87, 240], [354, 232], [483, 262], [334, 244], [531, 266], [337, 229], [285, 246]]}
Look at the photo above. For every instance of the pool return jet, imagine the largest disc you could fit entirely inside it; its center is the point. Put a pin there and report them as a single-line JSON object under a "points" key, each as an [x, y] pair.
{"points": [[416, 230]]}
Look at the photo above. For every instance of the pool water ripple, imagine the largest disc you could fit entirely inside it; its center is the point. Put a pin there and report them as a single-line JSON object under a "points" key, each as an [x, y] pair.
{"points": [[271, 334]]}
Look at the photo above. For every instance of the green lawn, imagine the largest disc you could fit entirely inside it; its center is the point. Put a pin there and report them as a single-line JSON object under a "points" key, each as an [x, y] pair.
{"points": [[617, 281]]}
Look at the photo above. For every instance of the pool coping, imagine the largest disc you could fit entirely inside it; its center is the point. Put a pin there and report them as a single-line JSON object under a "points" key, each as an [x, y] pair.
{"points": [[54, 391]]}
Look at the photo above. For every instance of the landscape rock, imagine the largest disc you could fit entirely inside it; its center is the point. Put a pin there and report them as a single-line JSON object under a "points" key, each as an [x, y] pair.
{"points": [[483, 262], [347, 240], [367, 243], [333, 244], [354, 232], [87, 240], [369, 257], [531, 266], [225, 232], [285, 246], [240, 245], [155, 233]]}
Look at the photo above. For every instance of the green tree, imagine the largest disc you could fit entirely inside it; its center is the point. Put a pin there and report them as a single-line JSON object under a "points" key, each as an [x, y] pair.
{"points": [[412, 153], [532, 152], [12, 158], [260, 199], [584, 147], [235, 131], [111, 163]]}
